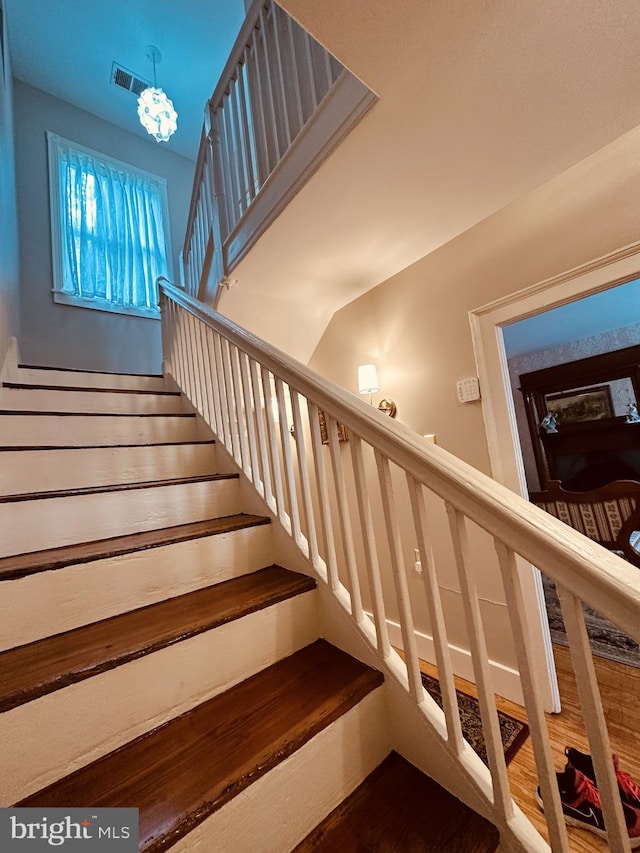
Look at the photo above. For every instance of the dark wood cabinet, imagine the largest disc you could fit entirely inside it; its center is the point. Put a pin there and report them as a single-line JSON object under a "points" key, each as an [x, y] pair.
{"points": [[594, 444]]}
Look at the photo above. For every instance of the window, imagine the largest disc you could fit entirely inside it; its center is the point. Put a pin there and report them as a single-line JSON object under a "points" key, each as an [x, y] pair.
{"points": [[108, 231]]}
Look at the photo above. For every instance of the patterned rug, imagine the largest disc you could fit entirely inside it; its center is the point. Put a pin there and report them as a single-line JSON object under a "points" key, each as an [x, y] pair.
{"points": [[607, 641], [514, 733]]}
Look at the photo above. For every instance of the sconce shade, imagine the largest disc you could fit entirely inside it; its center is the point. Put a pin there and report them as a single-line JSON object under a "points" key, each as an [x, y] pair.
{"points": [[368, 379], [157, 114]]}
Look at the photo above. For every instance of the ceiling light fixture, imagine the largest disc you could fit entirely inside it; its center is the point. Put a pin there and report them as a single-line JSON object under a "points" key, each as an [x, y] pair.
{"points": [[155, 109]]}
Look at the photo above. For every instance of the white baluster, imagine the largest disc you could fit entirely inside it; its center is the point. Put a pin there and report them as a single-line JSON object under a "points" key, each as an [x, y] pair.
{"points": [[231, 403], [310, 548], [486, 697], [213, 376], [262, 441], [399, 576], [594, 721], [369, 546], [280, 72], [273, 450], [224, 393], [518, 611], [241, 415], [268, 100], [287, 461], [324, 506], [342, 502], [436, 615], [254, 473]]}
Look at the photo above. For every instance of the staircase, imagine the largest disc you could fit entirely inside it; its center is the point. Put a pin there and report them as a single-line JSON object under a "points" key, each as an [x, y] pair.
{"points": [[153, 654]]}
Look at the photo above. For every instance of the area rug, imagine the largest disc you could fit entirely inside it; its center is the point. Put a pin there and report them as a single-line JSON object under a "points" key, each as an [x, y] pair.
{"points": [[513, 732], [607, 641]]}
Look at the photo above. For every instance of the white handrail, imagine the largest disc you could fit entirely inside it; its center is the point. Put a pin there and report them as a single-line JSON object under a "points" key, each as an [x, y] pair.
{"points": [[253, 378]]}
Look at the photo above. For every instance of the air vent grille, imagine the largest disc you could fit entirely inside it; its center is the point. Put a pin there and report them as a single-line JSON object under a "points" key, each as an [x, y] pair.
{"points": [[128, 80]]}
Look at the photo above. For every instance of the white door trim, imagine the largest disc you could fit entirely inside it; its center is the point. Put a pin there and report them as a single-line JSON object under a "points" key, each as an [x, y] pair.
{"points": [[505, 455]]}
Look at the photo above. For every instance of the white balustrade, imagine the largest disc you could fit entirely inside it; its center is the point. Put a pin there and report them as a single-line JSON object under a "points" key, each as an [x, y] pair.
{"points": [[326, 492], [273, 85]]}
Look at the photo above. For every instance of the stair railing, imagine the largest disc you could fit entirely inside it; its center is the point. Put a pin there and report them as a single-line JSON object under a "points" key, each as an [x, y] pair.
{"points": [[283, 426], [275, 85]]}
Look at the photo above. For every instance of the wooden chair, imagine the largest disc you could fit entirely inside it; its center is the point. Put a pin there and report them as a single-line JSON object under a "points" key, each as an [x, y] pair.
{"points": [[609, 515]]}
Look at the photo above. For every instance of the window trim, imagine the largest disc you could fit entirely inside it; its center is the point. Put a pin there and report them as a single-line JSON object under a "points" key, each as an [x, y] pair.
{"points": [[54, 141]]}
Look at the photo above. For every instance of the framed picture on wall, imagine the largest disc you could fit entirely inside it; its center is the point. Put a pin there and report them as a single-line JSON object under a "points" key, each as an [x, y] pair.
{"points": [[581, 404]]}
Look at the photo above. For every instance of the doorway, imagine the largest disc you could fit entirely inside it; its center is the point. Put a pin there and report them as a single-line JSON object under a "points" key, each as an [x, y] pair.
{"points": [[487, 325]]}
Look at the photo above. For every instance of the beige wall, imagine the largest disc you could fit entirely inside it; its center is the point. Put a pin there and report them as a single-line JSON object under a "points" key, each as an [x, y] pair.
{"points": [[62, 335], [9, 274], [415, 326]]}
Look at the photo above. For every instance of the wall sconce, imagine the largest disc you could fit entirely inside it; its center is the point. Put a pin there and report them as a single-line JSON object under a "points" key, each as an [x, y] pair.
{"points": [[368, 384]]}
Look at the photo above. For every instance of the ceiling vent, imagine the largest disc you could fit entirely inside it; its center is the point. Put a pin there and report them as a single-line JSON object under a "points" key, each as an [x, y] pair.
{"points": [[128, 80]]}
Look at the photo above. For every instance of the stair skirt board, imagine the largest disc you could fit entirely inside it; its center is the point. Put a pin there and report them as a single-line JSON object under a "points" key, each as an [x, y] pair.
{"points": [[45, 430], [48, 603], [33, 525], [81, 401], [88, 379], [95, 716], [25, 471], [283, 806]]}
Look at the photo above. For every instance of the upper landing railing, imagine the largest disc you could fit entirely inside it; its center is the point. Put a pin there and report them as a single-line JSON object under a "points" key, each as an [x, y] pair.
{"points": [[359, 503], [281, 94]]}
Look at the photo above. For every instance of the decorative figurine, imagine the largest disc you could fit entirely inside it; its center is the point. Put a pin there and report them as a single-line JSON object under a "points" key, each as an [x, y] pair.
{"points": [[549, 423], [632, 414]]}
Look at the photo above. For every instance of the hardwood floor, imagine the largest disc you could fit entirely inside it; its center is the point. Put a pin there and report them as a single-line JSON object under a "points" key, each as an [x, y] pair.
{"points": [[620, 690]]}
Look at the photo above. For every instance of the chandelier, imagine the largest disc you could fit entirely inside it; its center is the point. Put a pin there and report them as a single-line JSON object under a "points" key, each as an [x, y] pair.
{"points": [[155, 109]]}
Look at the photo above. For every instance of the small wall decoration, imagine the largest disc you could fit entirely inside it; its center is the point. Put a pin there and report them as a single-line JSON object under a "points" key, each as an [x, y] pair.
{"points": [[632, 414], [581, 404], [343, 434]]}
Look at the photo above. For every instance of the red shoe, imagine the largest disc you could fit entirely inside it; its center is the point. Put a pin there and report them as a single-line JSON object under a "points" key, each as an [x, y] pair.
{"points": [[581, 806], [629, 789]]}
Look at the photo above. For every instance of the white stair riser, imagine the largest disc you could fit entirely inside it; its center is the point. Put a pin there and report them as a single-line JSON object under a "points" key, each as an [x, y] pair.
{"points": [[83, 379], [283, 806], [88, 431], [48, 603], [118, 402], [33, 525], [45, 739], [24, 471]]}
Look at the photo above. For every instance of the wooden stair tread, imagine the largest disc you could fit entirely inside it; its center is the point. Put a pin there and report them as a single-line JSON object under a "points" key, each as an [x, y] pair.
{"points": [[23, 386], [188, 768], [57, 414], [28, 447], [115, 487], [33, 670], [21, 565], [398, 809], [88, 370]]}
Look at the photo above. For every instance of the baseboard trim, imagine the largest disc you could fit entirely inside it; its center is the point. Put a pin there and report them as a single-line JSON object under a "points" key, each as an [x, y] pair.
{"points": [[506, 681]]}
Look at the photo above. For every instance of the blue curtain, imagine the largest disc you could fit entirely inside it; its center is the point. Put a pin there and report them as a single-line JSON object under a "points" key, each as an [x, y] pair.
{"points": [[113, 244]]}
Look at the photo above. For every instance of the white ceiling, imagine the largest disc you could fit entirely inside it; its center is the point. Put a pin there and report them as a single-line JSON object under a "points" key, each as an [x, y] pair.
{"points": [[601, 312], [479, 104], [67, 47]]}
